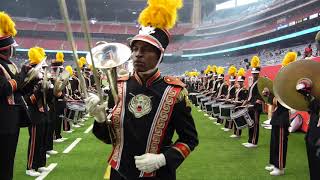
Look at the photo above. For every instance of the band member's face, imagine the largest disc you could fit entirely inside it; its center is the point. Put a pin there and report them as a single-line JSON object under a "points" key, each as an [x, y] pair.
{"points": [[145, 56], [255, 76], [240, 83]]}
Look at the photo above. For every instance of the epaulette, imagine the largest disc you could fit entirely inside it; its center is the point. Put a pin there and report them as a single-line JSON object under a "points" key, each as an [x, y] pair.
{"points": [[173, 81], [123, 78]]}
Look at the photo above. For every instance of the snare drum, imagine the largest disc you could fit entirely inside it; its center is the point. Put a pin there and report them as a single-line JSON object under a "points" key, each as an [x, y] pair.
{"points": [[75, 110], [216, 109], [226, 110], [242, 119], [193, 97]]}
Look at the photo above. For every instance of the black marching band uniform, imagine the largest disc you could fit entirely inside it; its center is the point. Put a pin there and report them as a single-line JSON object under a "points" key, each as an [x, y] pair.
{"points": [[240, 97], [147, 115], [59, 102], [12, 106], [222, 92], [34, 97], [255, 100], [231, 95]]}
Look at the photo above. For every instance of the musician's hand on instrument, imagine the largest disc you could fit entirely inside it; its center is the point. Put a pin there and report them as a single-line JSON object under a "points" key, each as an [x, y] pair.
{"points": [[95, 109], [304, 87], [150, 162]]}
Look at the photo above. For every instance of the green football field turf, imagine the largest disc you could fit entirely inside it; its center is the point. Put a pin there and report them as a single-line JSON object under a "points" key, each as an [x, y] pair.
{"points": [[218, 157]]}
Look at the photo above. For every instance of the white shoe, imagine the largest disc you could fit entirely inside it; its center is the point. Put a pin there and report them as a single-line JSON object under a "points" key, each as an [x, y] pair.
{"points": [[250, 145], [47, 156], [206, 115], [268, 127], [222, 128], [43, 169], [245, 143], [52, 152], [277, 172], [234, 136], [76, 126], [68, 132], [218, 124], [63, 139], [58, 140], [269, 167], [32, 173], [211, 118], [226, 129], [199, 110], [81, 124]]}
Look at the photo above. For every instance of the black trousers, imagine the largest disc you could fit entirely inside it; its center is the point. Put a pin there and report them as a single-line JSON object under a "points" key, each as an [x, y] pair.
{"points": [[220, 121], [254, 131], [314, 161], [59, 107], [37, 146], [228, 124], [50, 130], [278, 146], [236, 131], [7, 155]]}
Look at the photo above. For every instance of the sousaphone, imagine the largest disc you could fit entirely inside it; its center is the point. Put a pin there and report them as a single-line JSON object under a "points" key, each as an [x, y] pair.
{"points": [[284, 87], [265, 82]]}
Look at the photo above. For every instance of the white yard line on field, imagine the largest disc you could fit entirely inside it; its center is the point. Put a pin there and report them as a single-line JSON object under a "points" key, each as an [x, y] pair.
{"points": [[89, 129], [72, 145]]}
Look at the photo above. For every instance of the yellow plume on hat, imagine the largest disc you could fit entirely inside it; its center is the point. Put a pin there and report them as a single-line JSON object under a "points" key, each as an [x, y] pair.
{"points": [[208, 70], [80, 64], [214, 69], [59, 57], [255, 62], [83, 60], [35, 55], [288, 58], [7, 26], [161, 14], [220, 70], [69, 69], [232, 71], [241, 72]]}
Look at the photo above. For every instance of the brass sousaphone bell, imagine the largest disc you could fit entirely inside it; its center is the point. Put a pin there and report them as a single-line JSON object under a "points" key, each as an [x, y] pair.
{"points": [[107, 57], [265, 82], [284, 87]]}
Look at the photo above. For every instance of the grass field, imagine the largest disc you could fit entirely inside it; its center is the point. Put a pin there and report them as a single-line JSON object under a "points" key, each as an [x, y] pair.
{"points": [[218, 157]]}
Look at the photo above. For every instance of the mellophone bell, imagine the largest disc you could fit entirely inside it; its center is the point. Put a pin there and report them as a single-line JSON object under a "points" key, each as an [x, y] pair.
{"points": [[301, 91]]}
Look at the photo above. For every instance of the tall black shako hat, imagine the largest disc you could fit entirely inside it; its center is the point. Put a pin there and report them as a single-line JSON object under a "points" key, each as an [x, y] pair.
{"points": [[155, 21], [7, 32]]}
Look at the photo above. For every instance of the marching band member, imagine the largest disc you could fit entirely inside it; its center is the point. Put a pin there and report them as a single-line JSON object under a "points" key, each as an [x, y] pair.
{"points": [[38, 112], [148, 104], [70, 96], [256, 101], [231, 94], [59, 102], [280, 128], [241, 96], [222, 92], [12, 104]]}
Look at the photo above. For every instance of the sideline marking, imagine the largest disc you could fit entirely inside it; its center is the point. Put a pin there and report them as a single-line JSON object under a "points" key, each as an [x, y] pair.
{"points": [[72, 145], [89, 129], [44, 174]]}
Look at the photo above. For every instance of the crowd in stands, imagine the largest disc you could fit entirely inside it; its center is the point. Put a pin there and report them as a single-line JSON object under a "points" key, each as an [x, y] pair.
{"points": [[272, 56]]}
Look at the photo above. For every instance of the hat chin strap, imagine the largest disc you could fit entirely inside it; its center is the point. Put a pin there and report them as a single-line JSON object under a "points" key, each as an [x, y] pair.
{"points": [[153, 69]]}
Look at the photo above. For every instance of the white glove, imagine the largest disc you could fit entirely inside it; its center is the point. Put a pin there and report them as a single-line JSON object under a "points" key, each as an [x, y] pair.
{"points": [[150, 162], [95, 109]]}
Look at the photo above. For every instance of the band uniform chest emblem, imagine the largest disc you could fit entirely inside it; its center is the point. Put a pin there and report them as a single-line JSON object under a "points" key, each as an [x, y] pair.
{"points": [[12, 68], [140, 105]]}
